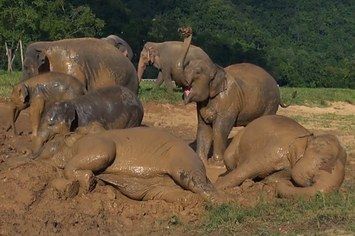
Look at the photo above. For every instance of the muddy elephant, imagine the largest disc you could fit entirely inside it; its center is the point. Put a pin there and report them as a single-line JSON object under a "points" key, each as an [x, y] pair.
{"points": [[163, 169], [114, 108], [225, 97], [39, 92], [164, 56], [94, 62], [121, 44], [272, 144]]}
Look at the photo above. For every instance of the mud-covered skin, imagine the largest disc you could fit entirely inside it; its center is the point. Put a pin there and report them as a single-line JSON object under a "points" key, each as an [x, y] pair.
{"points": [[39, 92], [164, 56], [162, 169], [94, 62], [225, 97], [273, 144], [115, 108], [121, 44]]}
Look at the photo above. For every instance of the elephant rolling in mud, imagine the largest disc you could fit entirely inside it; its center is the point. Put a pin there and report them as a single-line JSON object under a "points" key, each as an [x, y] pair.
{"points": [[225, 97], [272, 144], [94, 62], [136, 166]]}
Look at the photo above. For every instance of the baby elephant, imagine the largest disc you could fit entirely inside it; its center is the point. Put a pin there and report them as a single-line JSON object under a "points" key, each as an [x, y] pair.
{"points": [[113, 107], [136, 166], [274, 143], [39, 92]]}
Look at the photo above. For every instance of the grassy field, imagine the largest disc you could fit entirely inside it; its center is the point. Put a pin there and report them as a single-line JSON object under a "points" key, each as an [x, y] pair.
{"points": [[149, 92]]}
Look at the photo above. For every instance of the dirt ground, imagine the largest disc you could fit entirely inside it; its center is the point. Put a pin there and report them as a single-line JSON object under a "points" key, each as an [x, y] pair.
{"points": [[30, 206]]}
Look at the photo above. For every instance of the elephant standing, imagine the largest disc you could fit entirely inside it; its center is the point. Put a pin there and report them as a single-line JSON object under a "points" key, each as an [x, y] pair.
{"points": [[164, 56], [93, 62], [225, 97], [121, 44], [272, 144]]}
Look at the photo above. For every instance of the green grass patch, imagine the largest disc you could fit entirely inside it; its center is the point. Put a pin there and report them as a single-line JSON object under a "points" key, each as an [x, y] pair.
{"points": [[317, 96], [334, 211], [7, 81], [148, 91]]}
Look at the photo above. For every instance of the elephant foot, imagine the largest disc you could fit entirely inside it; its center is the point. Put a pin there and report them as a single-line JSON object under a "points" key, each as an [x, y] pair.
{"points": [[66, 188], [86, 179]]}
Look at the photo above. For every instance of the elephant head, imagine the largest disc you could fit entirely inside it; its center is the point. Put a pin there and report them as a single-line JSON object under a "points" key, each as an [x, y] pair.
{"points": [[201, 79], [322, 153], [59, 119], [36, 61], [149, 55], [121, 44]]}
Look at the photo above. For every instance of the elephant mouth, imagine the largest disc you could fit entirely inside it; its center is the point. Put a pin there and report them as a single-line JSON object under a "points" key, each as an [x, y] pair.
{"points": [[187, 93]]}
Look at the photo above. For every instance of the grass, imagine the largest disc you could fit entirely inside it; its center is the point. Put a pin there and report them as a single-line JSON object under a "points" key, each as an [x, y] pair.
{"points": [[149, 92], [324, 212], [7, 81]]}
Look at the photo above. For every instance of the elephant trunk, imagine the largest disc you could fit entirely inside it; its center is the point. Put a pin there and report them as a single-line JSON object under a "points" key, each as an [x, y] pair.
{"points": [[179, 67], [142, 64]]}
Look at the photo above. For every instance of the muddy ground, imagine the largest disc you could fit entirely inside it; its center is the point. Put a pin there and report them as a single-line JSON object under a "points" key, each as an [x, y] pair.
{"points": [[30, 206]]}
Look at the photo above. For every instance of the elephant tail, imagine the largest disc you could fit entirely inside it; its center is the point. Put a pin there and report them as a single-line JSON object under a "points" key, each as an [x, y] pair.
{"points": [[294, 95]]}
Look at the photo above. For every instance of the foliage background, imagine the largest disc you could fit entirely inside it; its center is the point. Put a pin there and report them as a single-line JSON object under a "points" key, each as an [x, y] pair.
{"points": [[301, 43]]}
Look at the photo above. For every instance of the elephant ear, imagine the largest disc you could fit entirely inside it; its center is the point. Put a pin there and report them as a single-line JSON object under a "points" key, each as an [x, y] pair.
{"points": [[219, 81], [43, 62], [152, 52], [23, 93]]}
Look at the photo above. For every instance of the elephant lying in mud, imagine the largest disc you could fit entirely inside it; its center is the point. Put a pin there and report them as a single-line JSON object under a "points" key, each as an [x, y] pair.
{"points": [[225, 97], [114, 108], [271, 144], [131, 162], [121, 44], [164, 56], [94, 62], [39, 92]]}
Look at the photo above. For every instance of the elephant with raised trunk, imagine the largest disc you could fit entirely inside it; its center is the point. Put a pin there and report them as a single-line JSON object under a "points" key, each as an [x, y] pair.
{"points": [[94, 62], [274, 144], [121, 44], [164, 56], [225, 97]]}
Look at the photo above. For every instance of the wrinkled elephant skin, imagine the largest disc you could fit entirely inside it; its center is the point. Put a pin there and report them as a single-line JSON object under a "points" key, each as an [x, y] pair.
{"points": [[272, 144], [164, 57], [39, 92], [115, 108], [94, 62], [136, 166]]}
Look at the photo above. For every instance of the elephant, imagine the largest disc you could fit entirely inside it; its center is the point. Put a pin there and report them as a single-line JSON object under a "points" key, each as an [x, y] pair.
{"points": [[128, 160], [225, 97], [114, 107], [39, 92], [95, 63], [272, 144], [121, 44], [163, 56]]}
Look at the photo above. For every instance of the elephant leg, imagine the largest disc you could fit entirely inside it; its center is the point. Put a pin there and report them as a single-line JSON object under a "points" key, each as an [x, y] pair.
{"points": [[221, 130], [15, 114], [159, 79], [35, 112], [203, 139], [245, 170], [92, 155]]}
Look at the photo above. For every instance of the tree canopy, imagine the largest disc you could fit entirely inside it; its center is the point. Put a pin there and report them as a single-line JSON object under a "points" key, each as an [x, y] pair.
{"points": [[300, 42]]}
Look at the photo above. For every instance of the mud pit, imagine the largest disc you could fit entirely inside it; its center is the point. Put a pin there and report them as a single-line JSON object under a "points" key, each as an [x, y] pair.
{"points": [[29, 205]]}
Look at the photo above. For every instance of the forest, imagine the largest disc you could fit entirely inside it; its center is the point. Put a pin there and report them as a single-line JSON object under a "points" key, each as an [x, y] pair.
{"points": [[302, 43]]}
